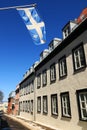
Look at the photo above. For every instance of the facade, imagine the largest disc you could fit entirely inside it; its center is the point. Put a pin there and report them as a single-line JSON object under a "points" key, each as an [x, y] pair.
{"points": [[54, 91], [11, 102], [26, 100], [16, 109]]}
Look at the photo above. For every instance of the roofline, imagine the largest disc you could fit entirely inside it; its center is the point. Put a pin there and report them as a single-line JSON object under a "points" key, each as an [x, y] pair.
{"points": [[68, 23], [79, 30], [73, 35], [26, 78]]}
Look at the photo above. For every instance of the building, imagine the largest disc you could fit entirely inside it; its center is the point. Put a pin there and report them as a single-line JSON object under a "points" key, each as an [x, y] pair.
{"points": [[26, 100], [53, 92], [11, 102], [16, 108]]}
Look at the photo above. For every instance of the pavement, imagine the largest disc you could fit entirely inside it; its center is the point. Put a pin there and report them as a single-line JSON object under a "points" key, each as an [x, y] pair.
{"points": [[30, 124]]}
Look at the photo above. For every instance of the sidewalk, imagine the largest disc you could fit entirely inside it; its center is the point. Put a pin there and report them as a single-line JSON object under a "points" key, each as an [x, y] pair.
{"points": [[30, 124]]}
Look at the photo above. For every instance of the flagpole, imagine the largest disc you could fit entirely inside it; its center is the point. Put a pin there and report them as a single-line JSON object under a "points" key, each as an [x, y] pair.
{"points": [[21, 6]]}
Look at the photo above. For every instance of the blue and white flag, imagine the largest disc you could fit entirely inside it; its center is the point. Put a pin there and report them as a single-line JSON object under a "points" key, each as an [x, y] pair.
{"points": [[34, 24]]}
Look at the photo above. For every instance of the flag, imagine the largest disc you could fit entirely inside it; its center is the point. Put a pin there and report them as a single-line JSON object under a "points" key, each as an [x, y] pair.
{"points": [[34, 24]]}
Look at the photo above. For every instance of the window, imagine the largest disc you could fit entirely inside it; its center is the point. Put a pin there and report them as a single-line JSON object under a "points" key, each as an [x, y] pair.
{"points": [[66, 31], [45, 106], [44, 77], [82, 104], [54, 104], [51, 46], [65, 105], [24, 90], [38, 81], [39, 104], [20, 106], [62, 67], [28, 107], [23, 105], [28, 89], [79, 58], [32, 86], [32, 106], [52, 73]]}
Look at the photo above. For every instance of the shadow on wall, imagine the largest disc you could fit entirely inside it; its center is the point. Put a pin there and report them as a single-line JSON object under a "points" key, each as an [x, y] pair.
{"points": [[66, 119]]}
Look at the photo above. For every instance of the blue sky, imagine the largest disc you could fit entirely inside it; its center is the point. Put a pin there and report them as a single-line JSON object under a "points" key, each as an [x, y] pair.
{"points": [[17, 50]]}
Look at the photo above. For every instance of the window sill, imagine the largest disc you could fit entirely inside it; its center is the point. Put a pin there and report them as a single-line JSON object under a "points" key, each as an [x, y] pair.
{"points": [[53, 81], [45, 113], [62, 77], [65, 116], [83, 120], [79, 70], [54, 114]]}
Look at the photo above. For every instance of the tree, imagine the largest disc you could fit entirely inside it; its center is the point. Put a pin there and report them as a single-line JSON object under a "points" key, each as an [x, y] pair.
{"points": [[1, 96]]}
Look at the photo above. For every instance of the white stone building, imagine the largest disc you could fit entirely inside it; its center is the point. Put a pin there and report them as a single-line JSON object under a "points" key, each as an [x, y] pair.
{"points": [[54, 92]]}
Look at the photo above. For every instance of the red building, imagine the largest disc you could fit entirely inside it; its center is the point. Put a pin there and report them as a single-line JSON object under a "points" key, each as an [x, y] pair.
{"points": [[82, 16], [16, 109], [11, 102]]}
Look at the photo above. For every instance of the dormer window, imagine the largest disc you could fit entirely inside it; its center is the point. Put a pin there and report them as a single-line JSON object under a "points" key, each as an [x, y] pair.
{"points": [[54, 43], [68, 28], [66, 32], [52, 46]]}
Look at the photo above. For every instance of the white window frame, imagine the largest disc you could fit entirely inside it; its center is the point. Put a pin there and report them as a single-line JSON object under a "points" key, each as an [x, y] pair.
{"points": [[20, 105], [28, 105], [44, 77], [45, 105], [66, 31], [79, 57], [24, 106], [52, 73], [32, 106], [65, 105], [83, 107], [62, 67], [32, 86], [54, 104], [39, 81], [28, 89], [39, 104]]}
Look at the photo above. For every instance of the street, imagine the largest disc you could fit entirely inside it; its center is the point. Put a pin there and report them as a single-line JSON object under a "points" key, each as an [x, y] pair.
{"points": [[7, 123]]}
